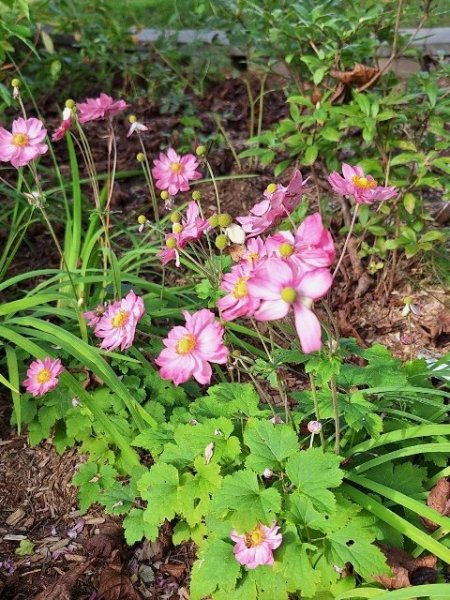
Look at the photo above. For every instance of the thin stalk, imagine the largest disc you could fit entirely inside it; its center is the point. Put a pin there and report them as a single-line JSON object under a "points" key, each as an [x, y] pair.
{"points": [[347, 239], [316, 406], [213, 179], [337, 425]]}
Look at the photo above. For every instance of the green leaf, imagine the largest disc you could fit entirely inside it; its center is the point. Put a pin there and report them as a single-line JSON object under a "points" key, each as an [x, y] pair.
{"points": [[270, 585], [310, 155], [319, 74], [216, 567], [136, 528], [360, 414], [245, 591], [159, 487], [293, 562], [26, 547], [270, 445], [247, 503], [354, 544], [409, 202], [195, 493], [87, 480], [313, 472], [405, 478]]}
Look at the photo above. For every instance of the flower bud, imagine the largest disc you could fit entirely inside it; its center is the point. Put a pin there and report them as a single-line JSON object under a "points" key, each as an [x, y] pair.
{"points": [[221, 242], [171, 243], [140, 157], [175, 217], [15, 83], [196, 196], [213, 220], [200, 151], [224, 220], [132, 119], [314, 427], [267, 473], [164, 195], [142, 219], [69, 103], [177, 228]]}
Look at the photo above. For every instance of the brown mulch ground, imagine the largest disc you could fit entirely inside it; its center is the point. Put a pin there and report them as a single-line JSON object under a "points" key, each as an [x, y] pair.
{"points": [[84, 557]]}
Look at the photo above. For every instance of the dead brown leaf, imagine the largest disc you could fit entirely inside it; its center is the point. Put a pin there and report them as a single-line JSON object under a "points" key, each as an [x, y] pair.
{"points": [[115, 585], [236, 251], [439, 499], [442, 326], [176, 570], [105, 543], [359, 75], [63, 586], [405, 568]]}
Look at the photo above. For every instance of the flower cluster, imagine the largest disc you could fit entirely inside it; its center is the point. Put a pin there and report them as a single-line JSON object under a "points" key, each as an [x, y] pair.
{"points": [[116, 324], [286, 271]]}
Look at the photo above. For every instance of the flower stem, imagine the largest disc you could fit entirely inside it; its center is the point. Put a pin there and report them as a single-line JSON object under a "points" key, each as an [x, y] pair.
{"points": [[350, 231], [337, 425], [316, 406]]}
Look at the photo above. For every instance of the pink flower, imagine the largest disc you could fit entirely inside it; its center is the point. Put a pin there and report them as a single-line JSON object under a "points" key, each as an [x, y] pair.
{"points": [[362, 187], [191, 348], [24, 143], [99, 108], [117, 327], [311, 247], [238, 303], [62, 130], [173, 172], [43, 376], [256, 547], [256, 249], [280, 285], [279, 202]]}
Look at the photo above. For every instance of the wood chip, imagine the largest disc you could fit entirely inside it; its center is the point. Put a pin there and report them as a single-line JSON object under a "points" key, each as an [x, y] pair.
{"points": [[15, 517], [74, 557], [60, 544]]}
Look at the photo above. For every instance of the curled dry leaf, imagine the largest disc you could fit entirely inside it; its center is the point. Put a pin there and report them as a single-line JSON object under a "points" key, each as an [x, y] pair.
{"points": [[115, 585], [439, 499], [176, 570], [359, 75], [406, 570], [442, 327]]}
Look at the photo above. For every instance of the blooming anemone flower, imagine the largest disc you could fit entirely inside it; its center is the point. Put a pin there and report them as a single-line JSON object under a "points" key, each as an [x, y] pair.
{"points": [[256, 249], [62, 130], [24, 143], [102, 107], [43, 376], [256, 548], [363, 188], [279, 201], [281, 285], [173, 172], [117, 327], [310, 248], [238, 302], [191, 348]]}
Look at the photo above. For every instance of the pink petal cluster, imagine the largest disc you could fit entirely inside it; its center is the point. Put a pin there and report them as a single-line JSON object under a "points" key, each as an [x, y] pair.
{"points": [[191, 228], [42, 376], [287, 270], [363, 188], [173, 172], [256, 547], [24, 143], [279, 201], [117, 326], [59, 133], [190, 348], [93, 109]]}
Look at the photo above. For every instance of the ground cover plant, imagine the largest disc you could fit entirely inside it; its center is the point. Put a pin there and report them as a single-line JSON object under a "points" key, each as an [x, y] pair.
{"points": [[196, 354]]}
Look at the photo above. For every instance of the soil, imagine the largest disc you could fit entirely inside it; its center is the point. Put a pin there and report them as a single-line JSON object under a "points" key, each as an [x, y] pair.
{"points": [[84, 557]]}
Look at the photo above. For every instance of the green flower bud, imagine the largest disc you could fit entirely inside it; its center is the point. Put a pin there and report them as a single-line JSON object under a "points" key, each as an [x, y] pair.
{"points": [[171, 243], [175, 217], [140, 157], [200, 151], [132, 119], [213, 220], [142, 219], [164, 195], [69, 103], [196, 195], [15, 83], [221, 242], [225, 220]]}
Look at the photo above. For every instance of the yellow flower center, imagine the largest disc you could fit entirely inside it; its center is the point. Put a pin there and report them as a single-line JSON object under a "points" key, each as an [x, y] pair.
{"points": [[186, 344], [240, 289], [20, 140], [120, 319], [286, 249], [176, 167], [254, 256], [177, 228], [44, 376], [255, 538], [365, 183], [288, 294], [271, 188]]}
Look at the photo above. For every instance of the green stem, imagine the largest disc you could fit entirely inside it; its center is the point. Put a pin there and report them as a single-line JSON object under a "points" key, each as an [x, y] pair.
{"points": [[337, 425], [347, 239], [316, 406]]}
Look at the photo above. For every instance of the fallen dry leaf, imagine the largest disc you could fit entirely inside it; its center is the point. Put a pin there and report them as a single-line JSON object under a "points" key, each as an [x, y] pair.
{"points": [[442, 326], [115, 585], [105, 543], [406, 569], [439, 499], [176, 570], [63, 586], [359, 75]]}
